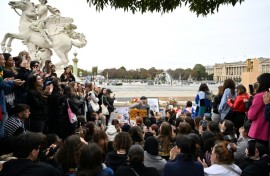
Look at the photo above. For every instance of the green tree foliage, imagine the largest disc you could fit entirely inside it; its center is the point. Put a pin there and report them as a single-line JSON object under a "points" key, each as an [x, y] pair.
{"points": [[200, 7], [199, 72]]}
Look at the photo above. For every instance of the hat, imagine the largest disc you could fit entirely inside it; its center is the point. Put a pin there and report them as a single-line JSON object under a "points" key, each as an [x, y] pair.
{"points": [[143, 98], [151, 145], [109, 91], [98, 86]]}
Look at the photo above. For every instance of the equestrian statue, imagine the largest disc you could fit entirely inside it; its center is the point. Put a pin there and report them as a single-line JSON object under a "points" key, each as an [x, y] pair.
{"points": [[41, 33]]}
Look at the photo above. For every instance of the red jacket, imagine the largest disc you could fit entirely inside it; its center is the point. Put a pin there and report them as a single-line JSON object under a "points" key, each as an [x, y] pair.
{"points": [[239, 104]]}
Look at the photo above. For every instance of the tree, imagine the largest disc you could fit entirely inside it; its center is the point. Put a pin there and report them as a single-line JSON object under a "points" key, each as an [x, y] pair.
{"points": [[200, 7], [199, 72]]}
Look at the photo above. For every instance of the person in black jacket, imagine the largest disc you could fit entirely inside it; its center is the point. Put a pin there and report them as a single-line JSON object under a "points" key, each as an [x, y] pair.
{"points": [[136, 166], [26, 149]]}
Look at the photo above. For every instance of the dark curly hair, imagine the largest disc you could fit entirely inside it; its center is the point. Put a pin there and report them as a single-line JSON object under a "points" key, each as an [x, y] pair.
{"points": [[122, 141], [264, 82], [66, 154]]}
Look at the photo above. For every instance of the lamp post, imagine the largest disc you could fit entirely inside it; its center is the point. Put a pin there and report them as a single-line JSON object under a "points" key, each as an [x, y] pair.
{"points": [[75, 64]]}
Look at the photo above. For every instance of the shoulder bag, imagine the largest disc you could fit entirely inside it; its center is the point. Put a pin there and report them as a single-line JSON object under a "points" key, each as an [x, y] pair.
{"points": [[72, 117], [104, 108]]}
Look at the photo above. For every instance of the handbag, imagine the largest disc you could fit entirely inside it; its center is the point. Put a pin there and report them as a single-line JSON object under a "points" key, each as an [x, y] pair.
{"points": [[104, 109], [72, 117], [95, 106]]}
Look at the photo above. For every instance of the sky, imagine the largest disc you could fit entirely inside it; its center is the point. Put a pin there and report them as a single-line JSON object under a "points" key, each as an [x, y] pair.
{"points": [[173, 40]]}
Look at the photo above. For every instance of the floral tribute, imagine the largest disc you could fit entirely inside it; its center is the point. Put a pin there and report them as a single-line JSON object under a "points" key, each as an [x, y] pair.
{"points": [[134, 100]]}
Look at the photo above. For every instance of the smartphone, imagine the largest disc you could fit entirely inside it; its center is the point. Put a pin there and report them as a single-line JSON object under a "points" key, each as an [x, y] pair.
{"points": [[251, 89]]}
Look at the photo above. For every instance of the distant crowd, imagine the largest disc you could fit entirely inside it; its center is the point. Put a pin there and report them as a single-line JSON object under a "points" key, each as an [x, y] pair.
{"points": [[51, 125]]}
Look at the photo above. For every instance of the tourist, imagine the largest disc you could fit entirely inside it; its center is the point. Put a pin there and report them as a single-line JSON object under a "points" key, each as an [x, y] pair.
{"points": [[242, 143], [66, 154], [238, 107], [67, 76], [136, 135], [118, 157], [66, 128], [256, 162], [228, 93], [15, 123], [101, 138], [222, 161], [170, 116], [189, 109], [228, 131], [216, 102], [259, 129], [151, 158], [203, 101], [181, 160], [26, 149], [37, 100], [53, 107], [90, 162], [136, 166], [165, 140]]}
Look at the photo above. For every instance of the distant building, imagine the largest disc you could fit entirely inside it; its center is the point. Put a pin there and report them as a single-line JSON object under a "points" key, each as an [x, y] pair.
{"points": [[209, 69], [235, 70]]}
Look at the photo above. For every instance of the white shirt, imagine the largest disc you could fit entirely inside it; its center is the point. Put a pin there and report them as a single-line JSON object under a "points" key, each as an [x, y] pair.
{"points": [[220, 170]]}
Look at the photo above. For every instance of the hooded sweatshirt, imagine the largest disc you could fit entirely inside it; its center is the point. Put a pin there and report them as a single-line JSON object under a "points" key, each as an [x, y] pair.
{"points": [[111, 132]]}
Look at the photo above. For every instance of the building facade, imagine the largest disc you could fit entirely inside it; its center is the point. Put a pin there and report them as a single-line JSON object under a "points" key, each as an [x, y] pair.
{"points": [[235, 70]]}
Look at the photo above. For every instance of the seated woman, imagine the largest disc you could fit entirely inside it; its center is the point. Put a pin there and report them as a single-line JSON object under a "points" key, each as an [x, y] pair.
{"points": [[222, 159], [228, 131], [183, 163], [90, 162], [121, 143], [136, 166]]}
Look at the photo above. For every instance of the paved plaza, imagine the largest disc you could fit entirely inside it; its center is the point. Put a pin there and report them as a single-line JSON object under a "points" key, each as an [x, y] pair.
{"points": [[128, 91]]}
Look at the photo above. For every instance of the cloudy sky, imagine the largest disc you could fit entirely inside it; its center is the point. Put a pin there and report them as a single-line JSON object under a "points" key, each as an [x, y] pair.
{"points": [[174, 40]]}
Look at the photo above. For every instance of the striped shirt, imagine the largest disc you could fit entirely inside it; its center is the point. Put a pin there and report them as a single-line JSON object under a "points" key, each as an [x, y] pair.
{"points": [[12, 125]]}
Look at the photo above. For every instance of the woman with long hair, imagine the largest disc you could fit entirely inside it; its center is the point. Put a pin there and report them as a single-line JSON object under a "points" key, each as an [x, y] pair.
{"points": [[67, 76], [259, 129], [203, 101], [66, 155], [228, 93], [90, 162], [37, 100], [165, 140]]}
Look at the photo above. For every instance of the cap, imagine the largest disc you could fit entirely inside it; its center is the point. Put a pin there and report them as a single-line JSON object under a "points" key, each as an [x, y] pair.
{"points": [[98, 86], [143, 98], [109, 91]]}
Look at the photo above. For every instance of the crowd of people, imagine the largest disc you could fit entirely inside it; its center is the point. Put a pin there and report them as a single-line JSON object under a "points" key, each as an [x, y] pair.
{"points": [[226, 134]]}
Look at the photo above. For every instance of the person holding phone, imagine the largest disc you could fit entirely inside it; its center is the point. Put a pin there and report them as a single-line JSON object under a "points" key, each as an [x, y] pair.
{"points": [[256, 162], [259, 129]]}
